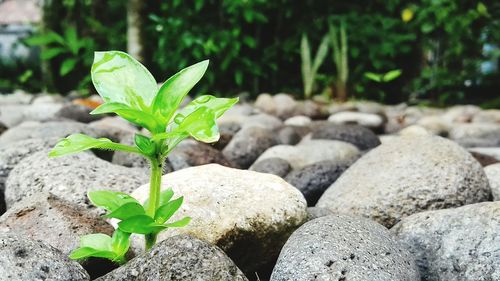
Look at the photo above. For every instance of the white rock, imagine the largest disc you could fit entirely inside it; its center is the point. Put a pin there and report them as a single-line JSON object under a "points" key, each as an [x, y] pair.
{"points": [[299, 120], [493, 174], [364, 119]]}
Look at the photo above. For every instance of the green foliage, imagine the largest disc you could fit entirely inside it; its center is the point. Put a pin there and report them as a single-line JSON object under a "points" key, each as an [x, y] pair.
{"points": [[338, 39], [130, 91], [384, 77], [309, 70]]}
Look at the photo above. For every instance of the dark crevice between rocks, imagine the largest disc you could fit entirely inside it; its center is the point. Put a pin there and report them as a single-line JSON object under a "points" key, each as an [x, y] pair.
{"points": [[106, 155], [97, 267], [3, 207]]}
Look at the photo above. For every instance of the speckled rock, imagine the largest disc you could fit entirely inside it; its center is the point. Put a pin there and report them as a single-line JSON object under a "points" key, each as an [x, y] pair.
{"points": [[313, 151], [25, 259], [493, 174], [69, 177], [360, 136], [228, 210], [476, 134], [314, 179], [405, 176], [247, 145], [180, 257], [339, 247], [317, 212], [275, 166], [455, 244]]}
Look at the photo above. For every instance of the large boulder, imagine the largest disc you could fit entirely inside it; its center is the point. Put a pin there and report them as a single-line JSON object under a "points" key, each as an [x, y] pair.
{"points": [[180, 257], [339, 247], [493, 174], [228, 209], [405, 176], [360, 136], [455, 244], [69, 177], [247, 145], [313, 151], [25, 259]]}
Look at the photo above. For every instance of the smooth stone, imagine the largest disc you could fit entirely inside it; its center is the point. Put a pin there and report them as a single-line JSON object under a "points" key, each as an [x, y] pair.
{"points": [[405, 176], [25, 259], [299, 120], [317, 212], [414, 130], [314, 179], [461, 113], [190, 153], [455, 244], [361, 137], [262, 120], [13, 115], [484, 159], [339, 247], [77, 112], [47, 98], [285, 105], [487, 116], [291, 135], [180, 257], [436, 125], [369, 120], [228, 210], [275, 166], [313, 151], [476, 134], [265, 103], [17, 97], [493, 152], [227, 132], [247, 145], [493, 174], [69, 177]]}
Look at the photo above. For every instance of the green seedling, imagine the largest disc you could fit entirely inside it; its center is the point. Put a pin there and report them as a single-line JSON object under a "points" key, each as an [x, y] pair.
{"points": [[130, 91], [310, 70], [383, 77]]}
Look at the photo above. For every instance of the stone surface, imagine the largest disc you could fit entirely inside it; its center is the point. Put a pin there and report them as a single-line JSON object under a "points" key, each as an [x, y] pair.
{"points": [[3, 128], [191, 153], [69, 177], [339, 247], [247, 145], [369, 120], [487, 116], [180, 257], [275, 166], [262, 120], [314, 179], [290, 135], [25, 259], [227, 132], [476, 134], [455, 244], [265, 103], [436, 125], [313, 151], [493, 174], [78, 113], [285, 105], [299, 120], [13, 115], [493, 152], [360, 136], [405, 176], [484, 159], [317, 212], [228, 209]]}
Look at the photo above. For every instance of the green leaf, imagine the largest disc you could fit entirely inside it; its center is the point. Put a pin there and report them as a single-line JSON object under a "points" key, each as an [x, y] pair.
{"points": [[87, 252], [120, 78], [144, 144], [71, 39], [96, 241], [120, 242], [391, 75], [200, 125], [173, 91], [166, 211], [80, 142], [217, 105], [67, 66], [110, 200], [373, 76], [51, 53], [44, 39], [126, 211], [165, 196], [180, 223], [141, 224], [136, 116]]}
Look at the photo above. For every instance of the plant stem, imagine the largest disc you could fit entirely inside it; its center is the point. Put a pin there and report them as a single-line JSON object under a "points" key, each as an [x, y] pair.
{"points": [[154, 196]]}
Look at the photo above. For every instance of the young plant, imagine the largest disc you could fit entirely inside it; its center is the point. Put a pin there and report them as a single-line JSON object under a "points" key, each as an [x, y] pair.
{"points": [[383, 77], [338, 38], [131, 92], [309, 71]]}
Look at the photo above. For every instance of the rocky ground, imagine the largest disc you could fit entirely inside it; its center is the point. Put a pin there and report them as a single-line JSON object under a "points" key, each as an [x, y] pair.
{"points": [[294, 190]]}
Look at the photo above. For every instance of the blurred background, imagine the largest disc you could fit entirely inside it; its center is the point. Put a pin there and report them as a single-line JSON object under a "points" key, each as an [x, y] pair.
{"points": [[427, 52]]}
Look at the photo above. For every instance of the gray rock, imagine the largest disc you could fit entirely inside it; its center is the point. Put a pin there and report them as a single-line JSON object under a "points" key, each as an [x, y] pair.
{"points": [[360, 136], [285, 105], [476, 134], [368, 120], [262, 120], [487, 116], [292, 135], [3, 128], [227, 132], [461, 113], [314, 179], [116, 127], [13, 115], [78, 113], [131, 160], [247, 145], [455, 244], [180, 257], [339, 247], [191, 153], [275, 166], [53, 129], [493, 152], [493, 174], [484, 159], [69, 177], [17, 97], [228, 210], [299, 120], [313, 151], [317, 212], [265, 103], [405, 176], [25, 259]]}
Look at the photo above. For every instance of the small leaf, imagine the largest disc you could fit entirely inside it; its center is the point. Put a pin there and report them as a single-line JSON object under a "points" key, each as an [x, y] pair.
{"points": [[110, 200], [44, 39], [391, 75], [87, 252], [98, 241], [373, 76], [120, 78], [217, 105], [51, 53], [120, 242], [141, 224], [180, 223], [126, 211], [67, 66], [132, 115], [166, 211], [80, 142], [71, 39], [144, 144], [173, 91], [200, 125]]}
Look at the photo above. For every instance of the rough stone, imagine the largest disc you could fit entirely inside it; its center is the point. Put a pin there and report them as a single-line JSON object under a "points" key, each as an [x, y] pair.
{"points": [[317, 212], [360, 136], [493, 174], [454, 244], [405, 176], [476, 134], [340, 247], [275, 166], [369, 120], [78, 113]]}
